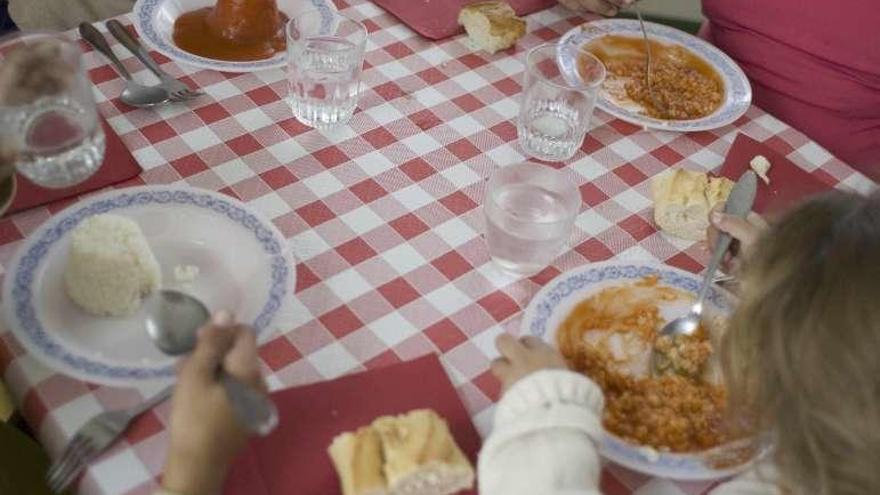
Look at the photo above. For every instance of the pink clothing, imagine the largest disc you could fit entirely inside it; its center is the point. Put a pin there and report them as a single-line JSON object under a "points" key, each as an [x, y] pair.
{"points": [[813, 65]]}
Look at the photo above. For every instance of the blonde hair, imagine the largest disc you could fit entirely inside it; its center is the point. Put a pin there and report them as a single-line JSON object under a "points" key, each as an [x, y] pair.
{"points": [[802, 357]]}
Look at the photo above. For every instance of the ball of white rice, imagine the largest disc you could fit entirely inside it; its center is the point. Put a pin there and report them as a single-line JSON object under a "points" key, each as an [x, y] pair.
{"points": [[110, 268]]}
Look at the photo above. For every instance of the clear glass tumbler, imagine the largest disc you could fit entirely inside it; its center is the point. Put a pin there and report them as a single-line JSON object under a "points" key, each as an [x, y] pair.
{"points": [[325, 57], [48, 121], [555, 114], [530, 210]]}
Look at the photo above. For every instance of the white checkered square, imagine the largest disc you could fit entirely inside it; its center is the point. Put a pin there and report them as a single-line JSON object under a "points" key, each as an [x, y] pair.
{"points": [[332, 361], [348, 285], [403, 258], [393, 329], [323, 184], [362, 220]]}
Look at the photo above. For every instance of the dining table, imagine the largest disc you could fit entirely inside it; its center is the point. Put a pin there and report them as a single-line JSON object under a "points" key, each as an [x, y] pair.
{"points": [[384, 218]]}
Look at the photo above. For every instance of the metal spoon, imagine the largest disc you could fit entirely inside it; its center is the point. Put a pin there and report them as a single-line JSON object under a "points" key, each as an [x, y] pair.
{"points": [[739, 203], [175, 318], [134, 94]]}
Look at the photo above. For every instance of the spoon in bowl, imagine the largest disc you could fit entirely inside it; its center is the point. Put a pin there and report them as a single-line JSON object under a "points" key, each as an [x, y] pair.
{"points": [[134, 94], [173, 322], [739, 203]]}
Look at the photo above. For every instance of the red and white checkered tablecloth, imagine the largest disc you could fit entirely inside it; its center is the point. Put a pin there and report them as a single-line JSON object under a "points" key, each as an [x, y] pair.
{"points": [[384, 218]]}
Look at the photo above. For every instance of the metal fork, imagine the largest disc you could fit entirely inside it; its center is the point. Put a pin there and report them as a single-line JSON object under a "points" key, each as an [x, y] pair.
{"points": [[654, 98], [93, 438], [178, 91]]}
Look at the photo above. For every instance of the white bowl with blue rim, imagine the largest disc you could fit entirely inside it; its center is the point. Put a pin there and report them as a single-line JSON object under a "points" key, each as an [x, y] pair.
{"points": [[737, 91], [243, 264], [154, 21], [555, 301]]}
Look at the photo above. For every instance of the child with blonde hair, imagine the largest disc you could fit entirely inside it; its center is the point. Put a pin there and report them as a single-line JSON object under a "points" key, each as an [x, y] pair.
{"points": [[801, 360]]}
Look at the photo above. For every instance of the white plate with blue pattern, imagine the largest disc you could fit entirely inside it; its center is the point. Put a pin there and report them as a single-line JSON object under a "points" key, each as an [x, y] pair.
{"points": [[737, 91], [553, 303], [243, 262], [154, 21]]}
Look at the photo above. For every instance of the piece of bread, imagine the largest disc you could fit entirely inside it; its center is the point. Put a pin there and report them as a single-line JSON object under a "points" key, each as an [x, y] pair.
{"points": [[358, 460], [410, 454], [492, 26], [683, 200], [421, 457]]}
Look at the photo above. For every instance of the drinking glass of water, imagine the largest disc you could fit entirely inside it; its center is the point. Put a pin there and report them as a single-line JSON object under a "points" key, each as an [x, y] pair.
{"points": [[48, 121], [555, 113], [325, 56], [530, 210]]}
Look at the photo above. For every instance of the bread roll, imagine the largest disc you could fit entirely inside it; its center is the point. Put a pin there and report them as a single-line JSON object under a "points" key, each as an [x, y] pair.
{"points": [[358, 460], [421, 457], [683, 200], [492, 26], [411, 454]]}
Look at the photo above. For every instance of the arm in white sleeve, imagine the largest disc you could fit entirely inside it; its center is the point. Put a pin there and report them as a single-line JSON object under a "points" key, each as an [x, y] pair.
{"points": [[544, 438]]}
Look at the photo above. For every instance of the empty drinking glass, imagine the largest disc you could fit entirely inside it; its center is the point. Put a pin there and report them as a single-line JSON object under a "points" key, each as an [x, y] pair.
{"points": [[530, 210], [49, 126], [325, 56], [555, 114]]}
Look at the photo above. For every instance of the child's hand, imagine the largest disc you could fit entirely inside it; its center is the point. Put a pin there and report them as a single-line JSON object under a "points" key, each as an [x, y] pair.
{"points": [[523, 357], [745, 232], [205, 434], [601, 7]]}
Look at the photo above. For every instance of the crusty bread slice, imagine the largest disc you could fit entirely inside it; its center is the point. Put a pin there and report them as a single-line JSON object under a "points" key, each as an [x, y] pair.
{"points": [[492, 26], [683, 200], [358, 460], [421, 457], [410, 454]]}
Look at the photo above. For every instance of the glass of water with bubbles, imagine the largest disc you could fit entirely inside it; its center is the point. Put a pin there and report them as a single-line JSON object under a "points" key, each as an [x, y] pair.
{"points": [[556, 111], [325, 58], [49, 125]]}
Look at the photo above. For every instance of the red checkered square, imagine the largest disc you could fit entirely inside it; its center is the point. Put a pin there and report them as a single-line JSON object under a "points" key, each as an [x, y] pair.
{"points": [[9, 232], [398, 50], [624, 128], [389, 91], [189, 165], [279, 353], [387, 358], [631, 175], [409, 226], [379, 137], [263, 95], [591, 145], [432, 76], [315, 213], [399, 292], [489, 385], [508, 86], [685, 262], [305, 277], [102, 74], [278, 177], [546, 34], [505, 130], [340, 322], [452, 265], [592, 195], [145, 426], [293, 127], [667, 155], [212, 113], [368, 190], [330, 156], [417, 169], [499, 305], [473, 61], [244, 145], [355, 251], [546, 275], [594, 250], [637, 227], [468, 103], [463, 149], [425, 119], [445, 334], [458, 203], [158, 132]]}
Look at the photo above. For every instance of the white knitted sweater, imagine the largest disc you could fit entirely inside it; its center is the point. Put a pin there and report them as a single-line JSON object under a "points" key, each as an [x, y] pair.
{"points": [[543, 442]]}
